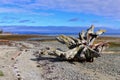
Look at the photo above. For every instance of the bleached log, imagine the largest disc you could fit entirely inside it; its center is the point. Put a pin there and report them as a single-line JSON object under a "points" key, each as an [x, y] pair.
{"points": [[70, 54], [82, 35], [95, 35], [99, 47], [86, 39], [69, 41], [81, 48], [88, 33]]}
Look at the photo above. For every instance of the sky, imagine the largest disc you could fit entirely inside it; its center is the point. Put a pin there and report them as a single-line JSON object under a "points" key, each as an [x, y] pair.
{"points": [[105, 13]]}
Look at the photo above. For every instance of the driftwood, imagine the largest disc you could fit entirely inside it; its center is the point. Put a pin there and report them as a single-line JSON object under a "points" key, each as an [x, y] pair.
{"points": [[16, 55], [82, 48]]}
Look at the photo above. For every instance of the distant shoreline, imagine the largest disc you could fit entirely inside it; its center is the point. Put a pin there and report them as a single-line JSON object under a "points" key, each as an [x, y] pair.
{"points": [[43, 37], [111, 35], [68, 34]]}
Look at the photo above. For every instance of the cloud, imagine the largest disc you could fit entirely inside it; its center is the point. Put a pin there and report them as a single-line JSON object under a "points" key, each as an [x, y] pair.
{"points": [[16, 1], [73, 19], [21, 6], [5, 22], [108, 8], [24, 21], [2, 22], [94, 21], [11, 10], [9, 18], [6, 19]]}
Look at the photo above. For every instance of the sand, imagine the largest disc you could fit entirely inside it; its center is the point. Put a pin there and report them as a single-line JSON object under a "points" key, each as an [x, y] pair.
{"points": [[27, 67]]}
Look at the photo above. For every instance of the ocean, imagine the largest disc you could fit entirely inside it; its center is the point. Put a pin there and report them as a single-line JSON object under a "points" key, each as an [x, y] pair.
{"points": [[68, 34], [56, 30]]}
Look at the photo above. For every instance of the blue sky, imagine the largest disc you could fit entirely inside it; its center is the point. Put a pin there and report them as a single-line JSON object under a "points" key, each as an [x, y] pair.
{"points": [[105, 13]]}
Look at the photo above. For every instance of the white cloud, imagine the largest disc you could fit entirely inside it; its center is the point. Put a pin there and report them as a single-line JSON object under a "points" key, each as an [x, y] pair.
{"points": [[10, 10], [107, 8]]}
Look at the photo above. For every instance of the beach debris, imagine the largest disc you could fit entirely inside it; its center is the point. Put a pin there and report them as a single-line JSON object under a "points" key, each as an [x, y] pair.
{"points": [[44, 51], [17, 71], [4, 42], [82, 48], [16, 55]]}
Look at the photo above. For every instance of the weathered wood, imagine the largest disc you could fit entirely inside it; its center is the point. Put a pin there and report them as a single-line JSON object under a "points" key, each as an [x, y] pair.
{"points": [[69, 41], [95, 35], [70, 54], [81, 48], [88, 33]]}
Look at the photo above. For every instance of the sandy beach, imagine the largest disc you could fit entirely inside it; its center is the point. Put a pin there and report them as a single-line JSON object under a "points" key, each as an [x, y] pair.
{"points": [[59, 40], [26, 66]]}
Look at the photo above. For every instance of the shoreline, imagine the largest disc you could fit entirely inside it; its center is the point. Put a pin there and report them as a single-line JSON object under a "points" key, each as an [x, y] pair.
{"points": [[48, 66], [49, 36], [113, 41]]}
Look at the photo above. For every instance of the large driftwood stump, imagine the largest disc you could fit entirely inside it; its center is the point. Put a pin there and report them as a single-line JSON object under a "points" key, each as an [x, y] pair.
{"points": [[82, 48]]}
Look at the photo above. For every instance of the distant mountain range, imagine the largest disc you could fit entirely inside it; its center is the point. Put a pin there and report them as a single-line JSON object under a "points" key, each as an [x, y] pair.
{"points": [[53, 29]]}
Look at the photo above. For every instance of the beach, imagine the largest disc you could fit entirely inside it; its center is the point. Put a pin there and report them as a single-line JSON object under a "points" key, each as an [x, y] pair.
{"points": [[59, 40], [18, 62]]}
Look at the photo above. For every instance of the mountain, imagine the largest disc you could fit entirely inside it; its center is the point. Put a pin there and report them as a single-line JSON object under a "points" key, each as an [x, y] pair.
{"points": [[52, 29]]}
